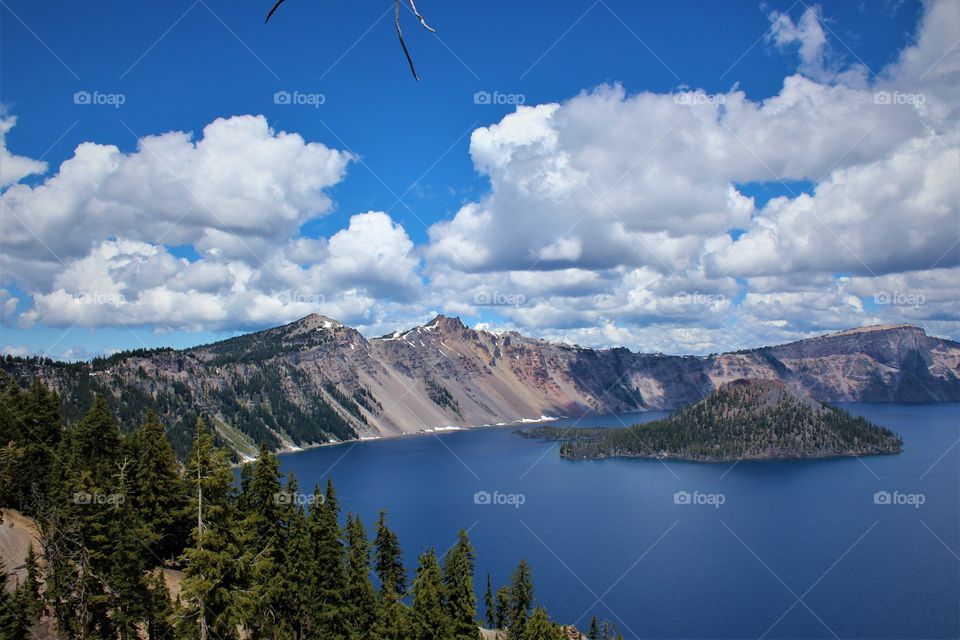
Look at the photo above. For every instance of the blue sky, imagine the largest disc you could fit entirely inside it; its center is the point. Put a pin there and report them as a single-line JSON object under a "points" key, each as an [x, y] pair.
{"points": [[181, 65]]}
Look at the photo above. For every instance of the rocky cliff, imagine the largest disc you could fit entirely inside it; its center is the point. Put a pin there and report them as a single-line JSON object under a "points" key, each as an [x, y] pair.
{"points": [[317, 380]]}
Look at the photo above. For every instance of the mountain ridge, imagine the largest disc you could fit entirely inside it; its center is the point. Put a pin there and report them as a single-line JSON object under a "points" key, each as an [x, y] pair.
{"points": [[317, 380]]}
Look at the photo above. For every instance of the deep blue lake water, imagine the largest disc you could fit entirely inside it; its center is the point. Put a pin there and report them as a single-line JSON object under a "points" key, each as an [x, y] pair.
{"points": [[797, 549]]}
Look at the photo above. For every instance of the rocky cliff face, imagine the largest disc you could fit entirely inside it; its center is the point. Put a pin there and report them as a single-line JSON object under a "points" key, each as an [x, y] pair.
{"points": [[317, 380]]}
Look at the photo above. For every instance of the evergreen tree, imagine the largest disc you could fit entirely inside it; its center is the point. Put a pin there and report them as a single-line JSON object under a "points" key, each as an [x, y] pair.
{"points": [[594, 632], [539, 627], [429, 618], [503, 607], [13, 623], [297, 566], [489, 605], [458, 583], [91, 494], [328, 583], [159, 495], [360, 606], [208, 587], [262, 533], [125, 575], [393, 618], [158, 617], [31, 421], [32, 599], [389, 558], [521, 599]]}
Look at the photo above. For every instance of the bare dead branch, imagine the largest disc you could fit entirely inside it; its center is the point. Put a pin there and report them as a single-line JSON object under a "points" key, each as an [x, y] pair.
{"points": [[279, 2], [396, 21]]}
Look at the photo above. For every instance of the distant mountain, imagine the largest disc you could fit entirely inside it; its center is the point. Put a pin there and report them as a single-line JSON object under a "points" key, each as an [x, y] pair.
{"points": [[744, 419], [316, 380]]}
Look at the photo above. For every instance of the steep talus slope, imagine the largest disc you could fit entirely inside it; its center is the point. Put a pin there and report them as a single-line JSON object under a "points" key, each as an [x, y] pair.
{"points": [[316, 380]]}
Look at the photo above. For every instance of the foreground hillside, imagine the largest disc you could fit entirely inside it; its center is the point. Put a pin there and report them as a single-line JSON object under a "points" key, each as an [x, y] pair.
{"points": [[744, 419], [316, 380]]}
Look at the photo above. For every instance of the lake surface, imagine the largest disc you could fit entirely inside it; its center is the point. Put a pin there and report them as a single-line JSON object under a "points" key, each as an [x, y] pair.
{"points": [[778, 549]]}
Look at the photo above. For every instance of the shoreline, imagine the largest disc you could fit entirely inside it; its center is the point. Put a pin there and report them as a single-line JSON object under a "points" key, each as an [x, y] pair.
{"points": [[394, 436], [727, 459]]}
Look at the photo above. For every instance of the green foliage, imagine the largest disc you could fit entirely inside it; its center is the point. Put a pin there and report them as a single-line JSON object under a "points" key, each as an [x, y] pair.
{"points": [[539, 627], [209, 606], [429, 617], [360, 608], [748, 419], [458, 584], [393, 617], [503, 608], [441, 396], [159, 495], [113, 509], [159, 614], [13, 621], [30, 434], [521, 600], [328, 584], [489, 605], [297, 566], [389, 559]]}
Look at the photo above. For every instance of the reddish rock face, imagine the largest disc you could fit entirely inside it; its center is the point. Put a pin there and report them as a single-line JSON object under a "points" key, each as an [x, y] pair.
{"points": [[317, 379]]}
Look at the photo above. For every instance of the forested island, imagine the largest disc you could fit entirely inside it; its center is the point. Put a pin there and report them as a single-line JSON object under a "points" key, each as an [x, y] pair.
{"points": [[128, 543], [741, 420]]}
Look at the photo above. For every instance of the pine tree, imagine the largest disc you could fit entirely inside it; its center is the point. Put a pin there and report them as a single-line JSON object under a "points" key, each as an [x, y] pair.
{"points": [[158, 615], [458, 582], [127, 565], [389, 558], [208, 587], [262, 533], [33, 606], [594, 632], [539, 627], [490, 606], [159, 494], [328, 583], [429, 618], [13, 623], [297, 567], [37, 430], [503, 607], [361, 605], [91, 487], [393, 617], [521, 599]]}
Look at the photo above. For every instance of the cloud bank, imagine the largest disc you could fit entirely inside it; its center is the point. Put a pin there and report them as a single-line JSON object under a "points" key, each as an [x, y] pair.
{"points": [[612, 217]]}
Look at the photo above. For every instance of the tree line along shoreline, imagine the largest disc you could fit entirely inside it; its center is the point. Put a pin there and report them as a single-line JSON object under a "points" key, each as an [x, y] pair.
{"points": [[113, 509]]}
